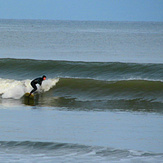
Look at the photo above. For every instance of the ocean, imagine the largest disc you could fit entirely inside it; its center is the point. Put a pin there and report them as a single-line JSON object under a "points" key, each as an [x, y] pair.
{"points": [[102, 100]]}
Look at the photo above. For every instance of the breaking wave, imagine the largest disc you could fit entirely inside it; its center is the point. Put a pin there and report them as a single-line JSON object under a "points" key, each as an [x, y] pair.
{"points": [[16, 89]]}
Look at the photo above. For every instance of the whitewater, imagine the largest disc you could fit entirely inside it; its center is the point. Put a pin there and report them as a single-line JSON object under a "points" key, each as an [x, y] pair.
{"points": [[16, 89]]}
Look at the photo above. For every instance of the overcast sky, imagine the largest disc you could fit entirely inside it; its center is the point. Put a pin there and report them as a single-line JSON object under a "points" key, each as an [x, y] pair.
{"points": [[110, 10]]}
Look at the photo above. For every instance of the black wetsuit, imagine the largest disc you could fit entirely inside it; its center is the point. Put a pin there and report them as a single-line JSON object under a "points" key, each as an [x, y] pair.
{"points": [[34, 82]]}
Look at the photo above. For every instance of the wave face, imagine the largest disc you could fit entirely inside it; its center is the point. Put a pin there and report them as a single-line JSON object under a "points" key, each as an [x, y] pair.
{"points": [[57, 152], [86, 85]]}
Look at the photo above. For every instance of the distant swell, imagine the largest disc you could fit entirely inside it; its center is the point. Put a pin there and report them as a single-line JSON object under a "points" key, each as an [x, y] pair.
{"points": [[26, 68]]}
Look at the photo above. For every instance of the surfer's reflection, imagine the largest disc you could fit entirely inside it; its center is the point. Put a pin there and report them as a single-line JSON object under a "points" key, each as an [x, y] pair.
{"points": [[28, 101], [31, 101]]}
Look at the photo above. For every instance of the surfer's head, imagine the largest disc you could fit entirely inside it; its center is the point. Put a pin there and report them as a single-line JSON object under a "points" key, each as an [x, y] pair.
{"points": [[44, 77]]}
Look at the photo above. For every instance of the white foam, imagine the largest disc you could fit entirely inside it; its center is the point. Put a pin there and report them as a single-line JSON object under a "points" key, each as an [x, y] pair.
{"points": [[16, 89]]}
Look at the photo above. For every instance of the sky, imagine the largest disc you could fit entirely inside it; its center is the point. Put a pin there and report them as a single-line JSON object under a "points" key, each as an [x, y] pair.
{"points": [[100, 10]]}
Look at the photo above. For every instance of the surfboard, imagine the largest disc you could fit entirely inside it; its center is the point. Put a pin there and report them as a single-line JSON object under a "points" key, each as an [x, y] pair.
{"points": [[26, 95]]}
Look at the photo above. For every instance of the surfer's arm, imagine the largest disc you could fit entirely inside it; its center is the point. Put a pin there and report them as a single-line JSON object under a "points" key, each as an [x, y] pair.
{"points": [[40, 83]]}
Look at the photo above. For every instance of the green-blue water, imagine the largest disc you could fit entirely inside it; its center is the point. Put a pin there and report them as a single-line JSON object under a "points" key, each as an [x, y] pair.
{"points": [[103, 97]]}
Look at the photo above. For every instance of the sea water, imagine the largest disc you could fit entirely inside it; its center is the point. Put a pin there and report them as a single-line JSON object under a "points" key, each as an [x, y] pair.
{"points": [[103, 97]]}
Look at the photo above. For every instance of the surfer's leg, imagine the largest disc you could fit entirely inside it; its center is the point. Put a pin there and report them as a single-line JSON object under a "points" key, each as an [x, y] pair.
{"points": [[34, 88]]}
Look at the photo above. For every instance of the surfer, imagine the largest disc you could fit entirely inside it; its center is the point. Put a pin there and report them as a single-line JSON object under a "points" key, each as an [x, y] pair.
{"points": [[37, 81]]}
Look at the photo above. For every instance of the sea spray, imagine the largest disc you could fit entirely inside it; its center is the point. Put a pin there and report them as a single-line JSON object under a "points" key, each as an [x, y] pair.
{"points": [[48, 84]]}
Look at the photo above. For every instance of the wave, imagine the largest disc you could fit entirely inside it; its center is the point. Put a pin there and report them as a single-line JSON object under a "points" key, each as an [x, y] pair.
{"points": [[27, 68], [85, 85], [53, 151], [87, 89], [88, 94]]}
